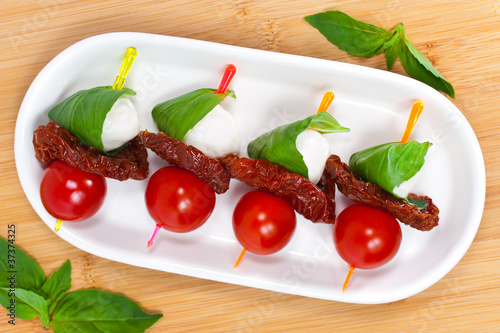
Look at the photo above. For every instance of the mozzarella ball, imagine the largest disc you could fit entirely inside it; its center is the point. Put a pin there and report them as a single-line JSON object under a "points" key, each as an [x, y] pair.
{"points": [[216, 135], [404, 188], [315, 150], [121, 124]]}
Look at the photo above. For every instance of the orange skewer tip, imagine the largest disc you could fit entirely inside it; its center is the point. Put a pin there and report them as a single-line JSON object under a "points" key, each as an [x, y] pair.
{"points": [[346, 282], [240, 257], [415, 113], [326, 101]]}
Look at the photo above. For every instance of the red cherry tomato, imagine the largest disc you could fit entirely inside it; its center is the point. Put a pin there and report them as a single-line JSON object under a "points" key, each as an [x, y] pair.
{"points": [[262, 223], [366, 237], [178, 200], [71, 194]]}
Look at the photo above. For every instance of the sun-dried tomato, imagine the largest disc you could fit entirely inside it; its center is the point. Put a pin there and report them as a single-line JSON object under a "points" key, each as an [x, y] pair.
{"points": [[373, 195], [304, 196], [52, 142], [188, 157]]}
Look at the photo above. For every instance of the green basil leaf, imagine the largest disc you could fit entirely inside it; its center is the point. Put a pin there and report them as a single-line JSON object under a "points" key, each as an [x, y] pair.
{"points": [[352, 36], [419, 203], [389, 164], [15, 306], [90, 310], [58, 284], [177, 116], [366, 40], [419, 67], [323, 122], [83, 113], [393, 46], [15, 263], [278, 146], [26, 305], [391, 55]]}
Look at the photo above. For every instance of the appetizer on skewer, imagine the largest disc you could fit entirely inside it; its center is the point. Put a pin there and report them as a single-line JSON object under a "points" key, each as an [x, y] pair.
{"points": [[379, 179], [286, 163], [194, 130], [92, 134]]}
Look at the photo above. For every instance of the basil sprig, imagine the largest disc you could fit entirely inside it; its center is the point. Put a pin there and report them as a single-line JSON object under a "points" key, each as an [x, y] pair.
{"points": [[366, 40], [23, 284], [177, 116], [278, 146], [83, 113], [390, 164]]}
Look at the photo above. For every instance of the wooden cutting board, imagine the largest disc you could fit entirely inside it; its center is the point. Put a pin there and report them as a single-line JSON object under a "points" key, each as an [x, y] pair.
{"points": [[460, 38]]}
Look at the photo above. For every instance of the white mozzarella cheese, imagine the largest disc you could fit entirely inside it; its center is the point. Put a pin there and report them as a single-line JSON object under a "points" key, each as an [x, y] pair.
{"points": [[315, 149], [121, 124], [404, 188], [216, 135]]}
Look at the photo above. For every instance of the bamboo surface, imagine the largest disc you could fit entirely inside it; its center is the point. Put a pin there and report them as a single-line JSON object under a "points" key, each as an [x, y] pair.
{"points": [[460, 38]]}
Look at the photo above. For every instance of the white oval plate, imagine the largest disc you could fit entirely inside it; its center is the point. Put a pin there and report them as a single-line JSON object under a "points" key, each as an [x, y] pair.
{"points": [[271, 89]]}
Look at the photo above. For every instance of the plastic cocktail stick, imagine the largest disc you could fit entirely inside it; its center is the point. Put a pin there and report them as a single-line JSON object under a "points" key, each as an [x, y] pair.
{"points": [[416, 111], [326, 102], [127, 62], [153, 236], [351, 270], [58, 225], [226, 79], [240, 257]]}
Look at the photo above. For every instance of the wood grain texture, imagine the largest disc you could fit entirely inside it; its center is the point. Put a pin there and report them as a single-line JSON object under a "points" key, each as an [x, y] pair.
{"points": [[461, 39]]}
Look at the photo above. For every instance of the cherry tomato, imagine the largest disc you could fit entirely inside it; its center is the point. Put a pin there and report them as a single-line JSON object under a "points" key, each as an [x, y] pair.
{"points": [[71, 194], [366, 237], [262, 223], [178, 200]]}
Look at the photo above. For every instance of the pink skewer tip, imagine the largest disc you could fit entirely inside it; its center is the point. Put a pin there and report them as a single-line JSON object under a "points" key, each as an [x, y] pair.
{"points": [[153, 236]]}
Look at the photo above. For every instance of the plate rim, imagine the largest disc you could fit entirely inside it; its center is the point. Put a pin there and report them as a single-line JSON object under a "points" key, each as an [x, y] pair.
{"points": [[374, 72]]}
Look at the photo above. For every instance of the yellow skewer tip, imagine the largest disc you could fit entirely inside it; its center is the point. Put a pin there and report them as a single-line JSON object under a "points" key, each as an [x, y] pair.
{"points": [[58, 225], [127, 62]]}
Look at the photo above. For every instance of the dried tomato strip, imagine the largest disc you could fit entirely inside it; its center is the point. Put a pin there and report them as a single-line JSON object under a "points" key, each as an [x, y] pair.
{"points": [[373, 195], [52, 142], [188, 157], [305, 197]]}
